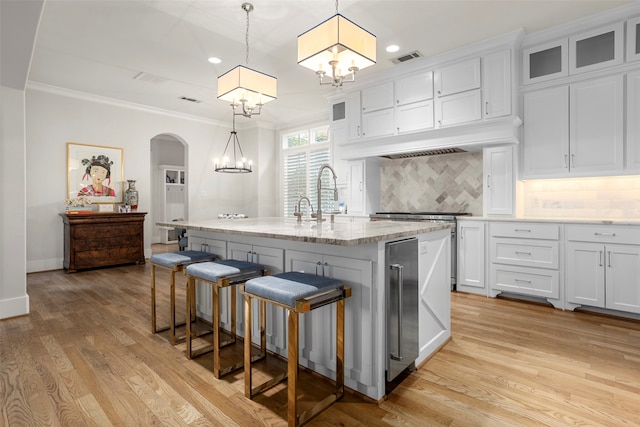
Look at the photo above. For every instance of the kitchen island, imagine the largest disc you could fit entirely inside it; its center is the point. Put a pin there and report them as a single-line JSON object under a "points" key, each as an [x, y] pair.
{"points": [[350, 251]]}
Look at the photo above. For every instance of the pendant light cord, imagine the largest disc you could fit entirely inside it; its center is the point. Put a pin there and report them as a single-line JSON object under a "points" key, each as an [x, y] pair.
{"points": [[246, 37], [336, 7]]}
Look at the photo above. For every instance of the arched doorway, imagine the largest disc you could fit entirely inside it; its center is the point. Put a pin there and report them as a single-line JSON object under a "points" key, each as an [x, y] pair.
{"points": [[169, 195]]}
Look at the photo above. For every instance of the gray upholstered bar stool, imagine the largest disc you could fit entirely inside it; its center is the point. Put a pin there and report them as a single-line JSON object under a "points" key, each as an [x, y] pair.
{"points": [[219, 274], [298, 293], [174, 262]]}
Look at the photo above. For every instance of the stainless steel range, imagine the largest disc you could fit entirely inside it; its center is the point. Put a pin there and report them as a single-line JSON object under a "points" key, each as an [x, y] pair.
{"points": [[439, 217]]}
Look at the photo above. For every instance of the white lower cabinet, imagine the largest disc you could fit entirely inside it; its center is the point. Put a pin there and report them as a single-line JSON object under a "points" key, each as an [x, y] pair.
{"points": [[471, 259], [317, 328], [524, 259], [603, 267], [499, 181], [273, 260]]}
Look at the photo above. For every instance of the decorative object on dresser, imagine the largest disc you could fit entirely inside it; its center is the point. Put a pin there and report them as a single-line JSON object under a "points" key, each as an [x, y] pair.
{"points": [[102, 239], [95, 172], [131, 195]]}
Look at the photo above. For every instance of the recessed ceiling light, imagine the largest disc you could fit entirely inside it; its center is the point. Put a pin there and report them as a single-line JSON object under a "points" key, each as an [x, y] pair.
{"points": [[393, 48], [214, 60]]}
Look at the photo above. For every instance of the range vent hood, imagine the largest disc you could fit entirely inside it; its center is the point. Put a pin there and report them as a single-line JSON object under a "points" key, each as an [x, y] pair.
{"points": [[425, 153]]}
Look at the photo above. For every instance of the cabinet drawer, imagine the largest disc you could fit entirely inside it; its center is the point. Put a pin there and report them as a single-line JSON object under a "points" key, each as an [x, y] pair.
{"points": [[603, 234], [523, 280], [525, 253], [110, 230], [525, 230], [111, 256], [107, 242]]}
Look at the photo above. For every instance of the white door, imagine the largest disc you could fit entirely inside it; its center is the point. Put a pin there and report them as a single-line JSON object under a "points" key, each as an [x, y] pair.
{"points": [[458, 108], [460, 77], [498, 180], [496, 84], [356, 201], [585, 273], [596, 125], [623, 277], [414, 117], [414, 88], [546, 132], [633, 124], [471, 251], [354, 121], [378, 123]]}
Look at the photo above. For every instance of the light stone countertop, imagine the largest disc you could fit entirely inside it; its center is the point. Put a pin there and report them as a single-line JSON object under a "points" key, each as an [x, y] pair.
{"points": [[598, 221], [343, 232]]}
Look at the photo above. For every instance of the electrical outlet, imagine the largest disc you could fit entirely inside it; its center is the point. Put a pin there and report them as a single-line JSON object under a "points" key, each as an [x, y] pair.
{"points": [[424, 248]]}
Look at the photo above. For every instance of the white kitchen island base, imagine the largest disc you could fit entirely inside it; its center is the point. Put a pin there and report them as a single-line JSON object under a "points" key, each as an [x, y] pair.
{"points": [[356, 256]]}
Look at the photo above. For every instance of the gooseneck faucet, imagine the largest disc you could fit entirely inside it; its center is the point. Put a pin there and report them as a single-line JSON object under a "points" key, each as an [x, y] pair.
{"points": [[319, 190], [297, 212]]}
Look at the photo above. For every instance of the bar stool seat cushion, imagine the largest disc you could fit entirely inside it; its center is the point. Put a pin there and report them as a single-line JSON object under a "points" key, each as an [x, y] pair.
{"points": [[287, 288], [173, 259], [228, 268]]}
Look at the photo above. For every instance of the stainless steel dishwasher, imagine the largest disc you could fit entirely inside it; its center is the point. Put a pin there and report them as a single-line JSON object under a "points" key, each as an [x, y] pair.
{"points": [[401, 287]]}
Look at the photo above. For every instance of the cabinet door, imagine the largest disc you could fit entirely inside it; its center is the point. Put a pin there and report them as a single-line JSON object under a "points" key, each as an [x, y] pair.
{"points": [[354, 128], [633, 124], [496, 84], [596, 125], [457, 78], [596, 49], [378, 123], [212, 246], [633, 39], [471, 251], [585, 274], [546, 132], [545, 62], [498, 180], [414, 117], [418, 87], [623, 278], [356, 201], [377, 97], [459, 108]]}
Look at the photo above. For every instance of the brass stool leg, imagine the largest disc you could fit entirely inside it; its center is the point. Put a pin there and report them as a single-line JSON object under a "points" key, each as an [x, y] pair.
{"points": [[247, 346], [172, 324], [340, 349], [263, 329], [215, 304], [191, 284], [153, 299], [292, 368], [232, 290]]}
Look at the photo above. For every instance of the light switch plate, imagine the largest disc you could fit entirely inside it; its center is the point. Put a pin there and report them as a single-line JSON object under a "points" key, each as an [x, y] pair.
{"points": [[424, 248]]}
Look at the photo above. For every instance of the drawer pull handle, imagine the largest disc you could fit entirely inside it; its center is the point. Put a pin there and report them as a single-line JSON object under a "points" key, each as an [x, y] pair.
{"points": [[522, 230], [523, 281], [605, 234], [523, 253]]}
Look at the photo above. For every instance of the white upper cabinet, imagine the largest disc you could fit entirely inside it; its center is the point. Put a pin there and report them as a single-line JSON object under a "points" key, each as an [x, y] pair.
{"points": [[633, 39], [377, 97], [546, 132], [633, 124], [596, 116], [545, 61], [596, 49], [414, 116], [458, 108], [575, 129], [414, 88], [354, 121], [496, 84], [459, 77]]}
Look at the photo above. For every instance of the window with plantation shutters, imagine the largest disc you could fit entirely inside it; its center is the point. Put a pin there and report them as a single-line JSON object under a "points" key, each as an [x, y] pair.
{"points": [[303, 152]]}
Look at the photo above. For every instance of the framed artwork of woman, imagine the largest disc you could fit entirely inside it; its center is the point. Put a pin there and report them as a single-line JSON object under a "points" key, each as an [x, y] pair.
{"points": [[96, 172]]}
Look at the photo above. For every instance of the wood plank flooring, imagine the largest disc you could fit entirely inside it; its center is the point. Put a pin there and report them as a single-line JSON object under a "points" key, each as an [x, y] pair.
{"points": [[86, 356]]}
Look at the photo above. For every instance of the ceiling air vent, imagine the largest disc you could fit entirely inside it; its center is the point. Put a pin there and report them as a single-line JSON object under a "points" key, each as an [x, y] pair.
{"points": [[149, 78], [425, 153], [186, 98], [407, 57]]}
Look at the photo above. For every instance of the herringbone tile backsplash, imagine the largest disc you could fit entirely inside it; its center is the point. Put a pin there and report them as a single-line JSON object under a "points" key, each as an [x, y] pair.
{"points": [[444, 183]]}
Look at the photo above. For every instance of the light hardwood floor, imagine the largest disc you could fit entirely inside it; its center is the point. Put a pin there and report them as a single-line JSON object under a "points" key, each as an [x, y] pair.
{"points": [[86, 356]]}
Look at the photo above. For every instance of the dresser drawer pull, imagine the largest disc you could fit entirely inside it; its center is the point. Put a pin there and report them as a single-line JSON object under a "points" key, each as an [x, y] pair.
{"points": [[523, 281], [605, 234]]}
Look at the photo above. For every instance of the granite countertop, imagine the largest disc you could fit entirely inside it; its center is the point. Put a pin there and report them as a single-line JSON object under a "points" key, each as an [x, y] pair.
{"points": [[599, 221], [343, 232]]}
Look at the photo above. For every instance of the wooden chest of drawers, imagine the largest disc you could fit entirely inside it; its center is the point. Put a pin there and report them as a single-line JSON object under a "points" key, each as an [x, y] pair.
{"points": [[102, 239]]}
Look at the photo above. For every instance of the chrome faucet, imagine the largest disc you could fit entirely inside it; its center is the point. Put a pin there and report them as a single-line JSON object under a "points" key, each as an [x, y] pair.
{"points": [[298, 213], [319, 190]]}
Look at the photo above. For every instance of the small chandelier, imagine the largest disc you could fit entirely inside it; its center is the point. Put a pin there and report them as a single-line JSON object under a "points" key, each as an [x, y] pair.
{"points": [[244, 86], [237, 166], [341, 45]]}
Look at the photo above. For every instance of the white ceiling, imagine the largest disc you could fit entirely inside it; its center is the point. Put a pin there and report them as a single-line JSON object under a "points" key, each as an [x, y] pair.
{"points": [[98, 46]]}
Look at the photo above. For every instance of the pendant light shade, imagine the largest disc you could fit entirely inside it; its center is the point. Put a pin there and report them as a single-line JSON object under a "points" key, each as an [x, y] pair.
{"points": [[338, 46], [245, 86]]}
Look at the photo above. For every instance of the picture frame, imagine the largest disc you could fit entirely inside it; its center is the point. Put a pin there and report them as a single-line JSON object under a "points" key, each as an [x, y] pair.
{"points": [[105, 207], [105, 165]]}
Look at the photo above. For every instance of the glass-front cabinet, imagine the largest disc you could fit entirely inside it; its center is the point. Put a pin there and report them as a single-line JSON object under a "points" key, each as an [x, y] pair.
{"points": [[546, 61], [595, 49], [633, 39]]}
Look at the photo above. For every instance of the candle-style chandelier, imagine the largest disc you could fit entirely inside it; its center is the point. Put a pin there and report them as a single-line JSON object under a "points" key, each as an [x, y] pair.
{"points": [[240, 164]]}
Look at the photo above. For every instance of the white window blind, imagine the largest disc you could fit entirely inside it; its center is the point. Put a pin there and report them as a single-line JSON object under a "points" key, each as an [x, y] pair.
{"points": [[302, 157]]}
